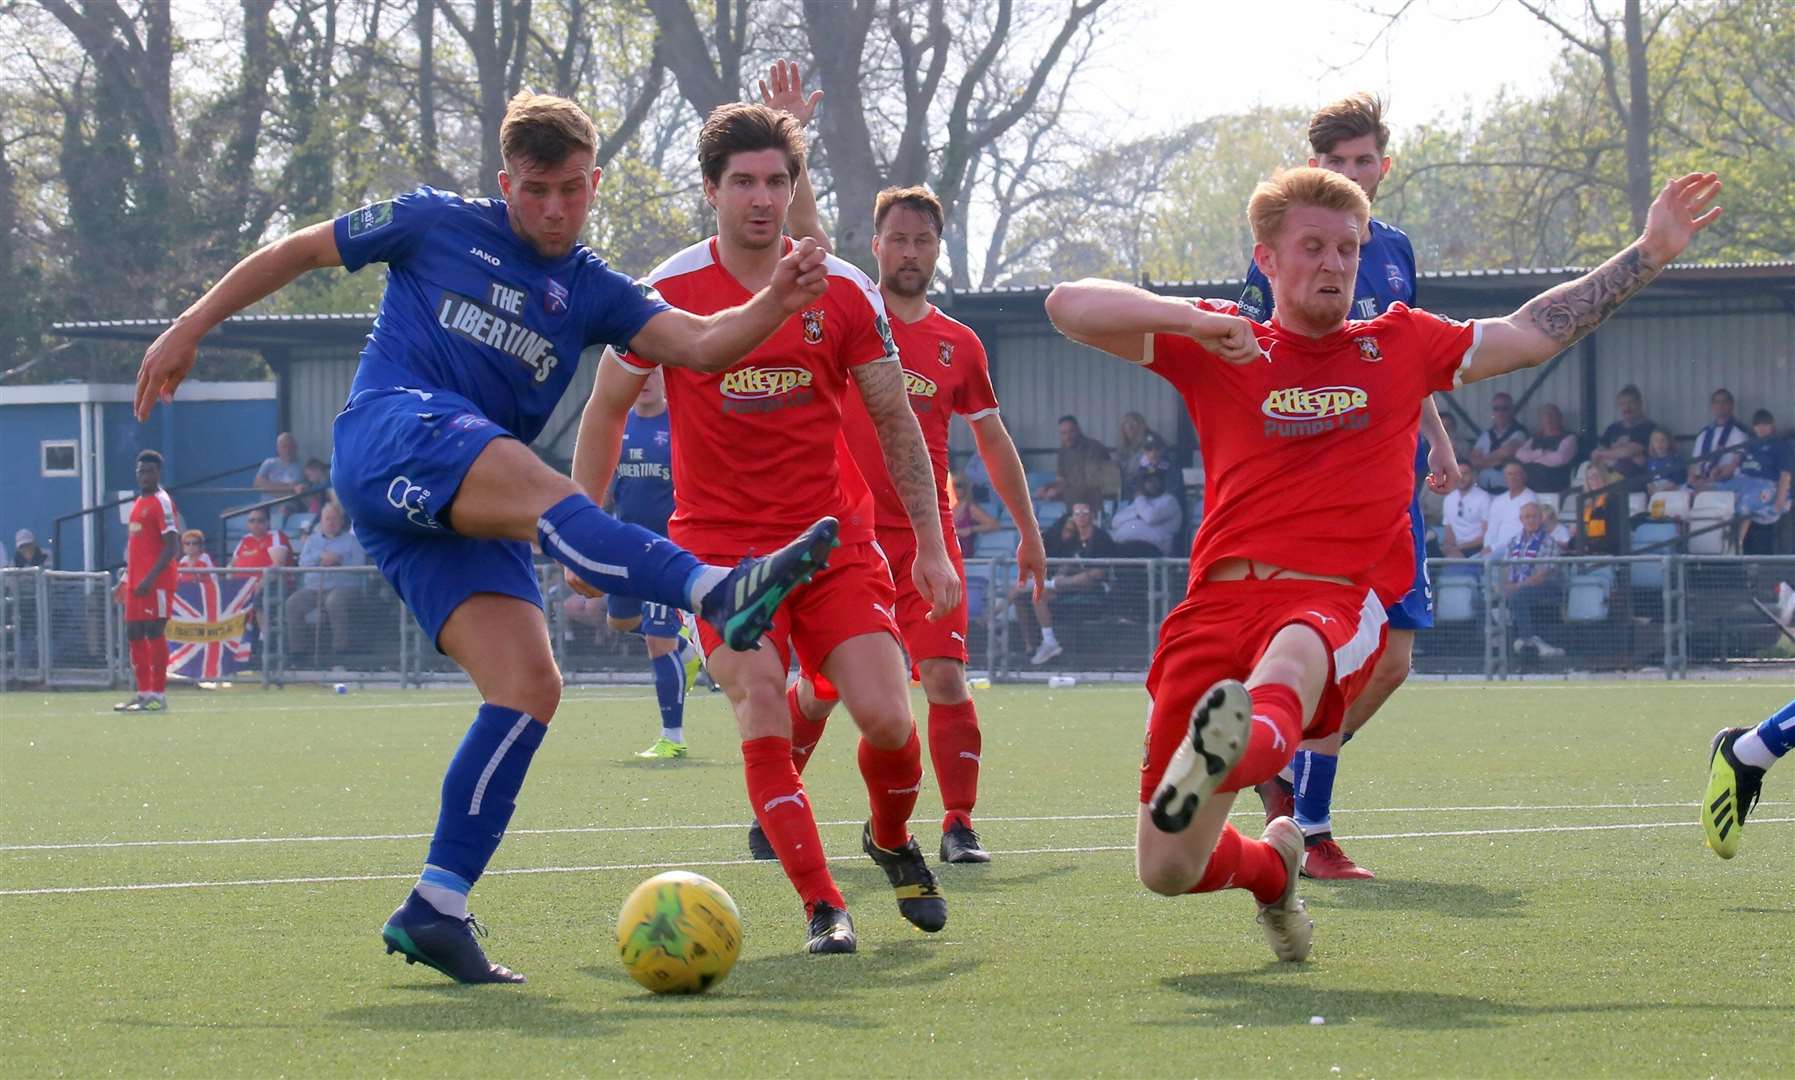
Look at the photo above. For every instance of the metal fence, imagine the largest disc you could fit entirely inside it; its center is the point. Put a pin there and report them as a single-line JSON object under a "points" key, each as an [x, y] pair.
{"points": [[1496, 618]]}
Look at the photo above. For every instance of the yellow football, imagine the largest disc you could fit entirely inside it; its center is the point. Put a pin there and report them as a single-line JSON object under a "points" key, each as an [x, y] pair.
{"points": [[679, 933]]}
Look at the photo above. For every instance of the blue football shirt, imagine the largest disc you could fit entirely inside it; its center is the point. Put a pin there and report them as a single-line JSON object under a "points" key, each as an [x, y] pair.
{"points": [[471, 308], [644, 483]]}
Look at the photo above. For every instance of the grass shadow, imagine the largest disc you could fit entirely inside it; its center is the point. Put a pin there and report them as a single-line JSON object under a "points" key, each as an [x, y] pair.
{"points": [[1459, 899], [1280, 995], [454, 1008]]}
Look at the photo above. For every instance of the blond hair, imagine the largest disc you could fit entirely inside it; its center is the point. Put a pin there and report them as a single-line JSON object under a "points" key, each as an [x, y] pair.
{"points": [[1273, 198], [544, 129]]}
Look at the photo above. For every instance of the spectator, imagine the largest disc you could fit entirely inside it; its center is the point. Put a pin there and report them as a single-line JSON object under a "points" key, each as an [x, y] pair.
{"points": [[1532, 592], [1722, 432], [280, 474], [1137, 445], [331, 544], [25, 552], [1763, 486], [1465, 517], [194, 556], [263, 546], [1082, 467], [1548, 454], [1499, 443], [971, 520], [1074, 589], [1599, 524], [1556, 529], [1665, 469], [1505, 509], [314, 487], [1150, 520], [1624, 443]]}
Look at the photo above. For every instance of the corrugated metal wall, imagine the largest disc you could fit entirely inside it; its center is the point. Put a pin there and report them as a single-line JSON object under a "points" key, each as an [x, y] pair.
{"points": [[315, 384]]}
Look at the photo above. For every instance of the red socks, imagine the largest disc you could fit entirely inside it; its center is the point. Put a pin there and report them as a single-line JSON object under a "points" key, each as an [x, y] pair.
{"points": [[784, 813], [1277, 729], [954, 745], [893, 779], [806, 733], [158, 653], [1240, 863], [140, 665]]}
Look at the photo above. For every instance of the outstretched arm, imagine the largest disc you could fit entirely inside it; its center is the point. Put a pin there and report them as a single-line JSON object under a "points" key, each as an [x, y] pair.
{"points": [[1118, 318], [881, 386], [713, 343], [261, 273], [786, 94], [1560, 317]]}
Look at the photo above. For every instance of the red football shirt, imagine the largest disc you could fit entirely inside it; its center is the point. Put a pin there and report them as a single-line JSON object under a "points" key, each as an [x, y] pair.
{"points": [[754, 447], [945, 372], [152, 518], [252, 550], [1309, 455]]}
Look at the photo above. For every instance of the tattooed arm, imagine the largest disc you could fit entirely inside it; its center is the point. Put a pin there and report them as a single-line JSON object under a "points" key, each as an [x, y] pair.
{"points": [[881, 386], [1562, 316]]}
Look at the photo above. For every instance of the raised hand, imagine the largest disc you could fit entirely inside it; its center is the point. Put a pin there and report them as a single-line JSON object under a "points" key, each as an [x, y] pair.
{"points": [[1227, 336], [165, 363], [1677, 214], [787, 92], [800, 277]]}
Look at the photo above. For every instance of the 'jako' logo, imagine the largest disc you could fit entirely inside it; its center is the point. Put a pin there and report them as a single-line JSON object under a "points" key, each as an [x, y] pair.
{"points": [[749, 384], [1300, 403]]}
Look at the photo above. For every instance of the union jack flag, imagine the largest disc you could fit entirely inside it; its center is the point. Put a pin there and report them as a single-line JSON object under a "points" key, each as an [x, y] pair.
{"points": [[209, 630]]}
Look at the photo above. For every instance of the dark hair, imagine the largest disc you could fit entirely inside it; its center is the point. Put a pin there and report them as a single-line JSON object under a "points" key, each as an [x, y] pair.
{"points": [[314, 463], [150, 456], [1073, 419], [544, 129], [1763, 416], [743, 128], [1349, 118], [1721, 392], [1631, 391], [917, 198]]}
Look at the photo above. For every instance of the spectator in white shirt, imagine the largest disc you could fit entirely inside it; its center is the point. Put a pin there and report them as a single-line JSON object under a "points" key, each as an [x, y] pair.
{"points": [[1465, 518], [1505, 509], [1153, 515], [1722, 432]]}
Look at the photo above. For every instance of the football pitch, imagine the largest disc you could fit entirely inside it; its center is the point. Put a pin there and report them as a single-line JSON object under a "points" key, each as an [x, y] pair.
{"points": [[200, 893]]}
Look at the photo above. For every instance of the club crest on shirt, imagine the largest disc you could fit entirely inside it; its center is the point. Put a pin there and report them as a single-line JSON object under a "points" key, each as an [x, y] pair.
{"points": [[813, 325], [1398, 284], [1368, 350], [662, 437], [944, 352], [555, 299]]}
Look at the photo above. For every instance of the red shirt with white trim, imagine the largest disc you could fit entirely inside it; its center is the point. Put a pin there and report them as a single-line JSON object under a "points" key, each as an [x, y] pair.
{"points": [[152, 518], [252, 551], [1309, 453], [945, 372], [754, 447]]}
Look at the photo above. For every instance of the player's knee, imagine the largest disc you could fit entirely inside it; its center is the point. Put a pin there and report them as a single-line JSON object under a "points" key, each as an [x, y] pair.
{"points": [[533, 687], [887, 726], [1166, 876], [944, 681]]}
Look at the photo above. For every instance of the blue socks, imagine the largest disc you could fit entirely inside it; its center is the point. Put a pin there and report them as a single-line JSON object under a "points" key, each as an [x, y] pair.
{"points": [[1763, 745], [670, 690], [479, 795], [619, 558], [1313, 778]]}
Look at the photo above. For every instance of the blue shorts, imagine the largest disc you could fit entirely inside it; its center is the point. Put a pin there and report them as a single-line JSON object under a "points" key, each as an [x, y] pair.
{"points": [[658, 620], [1415, 611], [400, 458]]}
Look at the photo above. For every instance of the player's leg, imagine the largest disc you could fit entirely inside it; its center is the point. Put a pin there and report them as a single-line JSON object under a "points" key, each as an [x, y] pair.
{"points": [[868, 670], [671, 659], [156, 649], [754, 683], [955, 747], [809, 699], [138, 648], [1737, 761], [501, 641], [508, 493]]}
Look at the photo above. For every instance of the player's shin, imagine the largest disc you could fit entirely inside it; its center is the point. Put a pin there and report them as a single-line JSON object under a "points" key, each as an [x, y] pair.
{"points": [[893, 780], [784, 813], [620, 558], [479, 795], [806, 733], [954, 749], [1240, 863], [670, 692], [1315, 791]]}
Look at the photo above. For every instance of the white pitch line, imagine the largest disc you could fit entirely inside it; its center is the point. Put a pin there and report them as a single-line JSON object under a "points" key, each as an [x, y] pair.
{"points": [[611, 867], [96, 845], [358, 706]]}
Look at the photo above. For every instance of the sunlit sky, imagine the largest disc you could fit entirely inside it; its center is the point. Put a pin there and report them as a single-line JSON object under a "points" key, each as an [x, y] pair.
{"points": [[1168, 62]]}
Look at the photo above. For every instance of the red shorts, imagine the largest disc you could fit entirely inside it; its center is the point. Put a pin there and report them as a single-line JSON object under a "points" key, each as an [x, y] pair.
{"points": [[1221, 629], [152, 605], [852, 596], [944, 639]]}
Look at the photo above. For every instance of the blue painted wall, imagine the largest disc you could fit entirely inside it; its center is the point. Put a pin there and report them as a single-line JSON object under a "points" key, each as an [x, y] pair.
{"points": [[28, 499]]}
